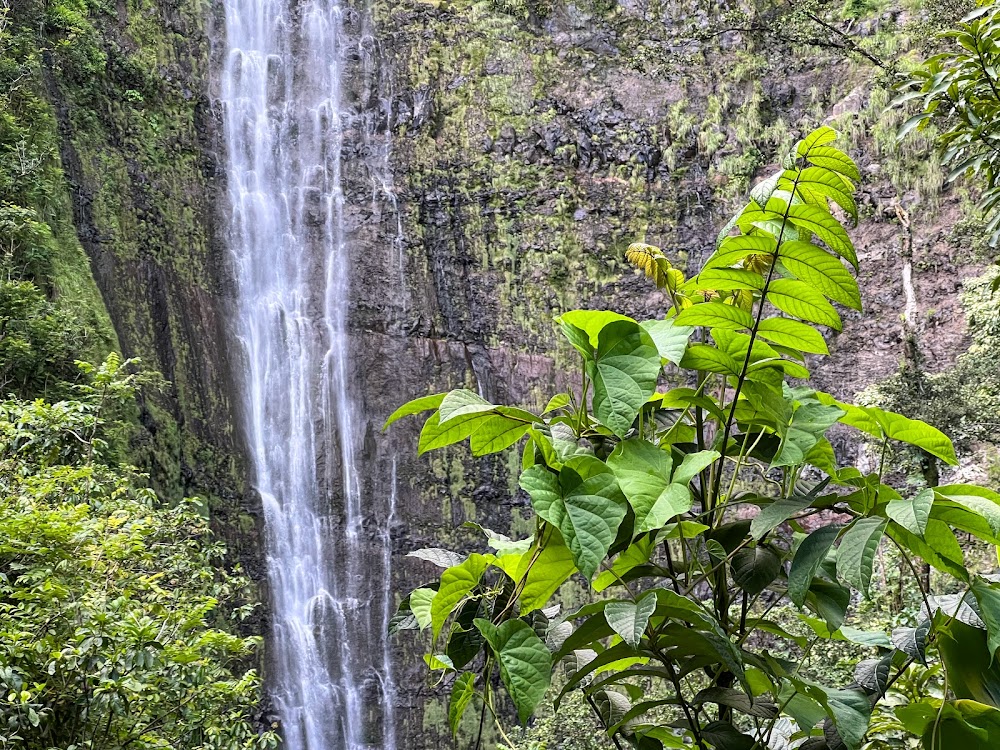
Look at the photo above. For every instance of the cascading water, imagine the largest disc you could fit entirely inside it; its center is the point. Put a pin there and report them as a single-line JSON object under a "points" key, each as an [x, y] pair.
{"points": [[287, 132]]}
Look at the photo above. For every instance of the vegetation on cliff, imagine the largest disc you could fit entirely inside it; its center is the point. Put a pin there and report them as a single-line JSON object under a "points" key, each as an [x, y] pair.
{"points": [[118, 616]]}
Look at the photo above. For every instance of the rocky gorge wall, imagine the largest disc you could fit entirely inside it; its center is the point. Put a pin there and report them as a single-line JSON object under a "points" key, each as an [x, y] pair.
{"points": [[529, 143]]}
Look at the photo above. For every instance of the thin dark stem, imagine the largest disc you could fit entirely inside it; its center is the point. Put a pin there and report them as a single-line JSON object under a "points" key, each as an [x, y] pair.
{"points": [[753, 338], [600, 718]]}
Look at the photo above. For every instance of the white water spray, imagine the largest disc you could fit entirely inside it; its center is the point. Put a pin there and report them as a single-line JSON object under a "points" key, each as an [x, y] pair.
{"points": [[286, 129]]}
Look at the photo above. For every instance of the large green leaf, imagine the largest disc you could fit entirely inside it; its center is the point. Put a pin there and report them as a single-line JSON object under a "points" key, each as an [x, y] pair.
{"points": [[525, 662], [821, 136], [973, 671], [755, 568], [727, 279], [456, 584], [633, 556], [833, 159], [710, 359], [809, 557], [692, 465], [809, 423], [821, 223], [496, 433], [920, 434], [952, 725], [461, 402], [586, 511], [815, 185], [873, 674], [912, 641], [988, 597], [435, 435], [624, 371], [941, 549], [801, 300], [643, 473], [793, 334], [776, 513], [549, 571], [420, 604], [715, 315], [629, 619], [850, 711], [856, 555], [880, 424], [415, 407], [591, 322], [912, 514], [671, 340], [462, 693], [970, 508], [823, 271]]}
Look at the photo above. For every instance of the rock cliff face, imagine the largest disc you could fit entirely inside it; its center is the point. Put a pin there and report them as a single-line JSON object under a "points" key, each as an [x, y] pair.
{"points": [[529, 144]]}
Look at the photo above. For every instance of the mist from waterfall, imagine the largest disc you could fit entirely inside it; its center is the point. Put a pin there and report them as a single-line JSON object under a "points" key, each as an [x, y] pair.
{"points": [[286, 130]]}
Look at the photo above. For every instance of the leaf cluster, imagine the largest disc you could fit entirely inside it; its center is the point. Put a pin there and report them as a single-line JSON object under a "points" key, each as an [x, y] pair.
{"points": [[958, 91], [693, 512]]}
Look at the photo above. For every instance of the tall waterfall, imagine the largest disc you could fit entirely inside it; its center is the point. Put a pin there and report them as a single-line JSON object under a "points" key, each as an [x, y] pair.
{"points": [[287, 132]]}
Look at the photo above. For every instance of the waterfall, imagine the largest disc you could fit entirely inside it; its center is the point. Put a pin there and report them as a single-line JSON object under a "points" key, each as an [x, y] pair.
{"points": [[287, 133]]}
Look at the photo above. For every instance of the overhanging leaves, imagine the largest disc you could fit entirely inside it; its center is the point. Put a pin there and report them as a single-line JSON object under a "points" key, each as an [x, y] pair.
{"points": [[623, 370], [587, 512], [856, 556], [525, 662]]}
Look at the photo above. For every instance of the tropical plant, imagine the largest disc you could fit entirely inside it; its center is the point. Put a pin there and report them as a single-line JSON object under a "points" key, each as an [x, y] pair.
{"points": [[112, 634], [959, 93], [694, 511]]}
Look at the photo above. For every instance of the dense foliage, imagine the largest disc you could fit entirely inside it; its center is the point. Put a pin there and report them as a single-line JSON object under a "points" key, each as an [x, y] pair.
{"points": [[46, 321], [112, 634], [698, 511], [958, 91]]}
